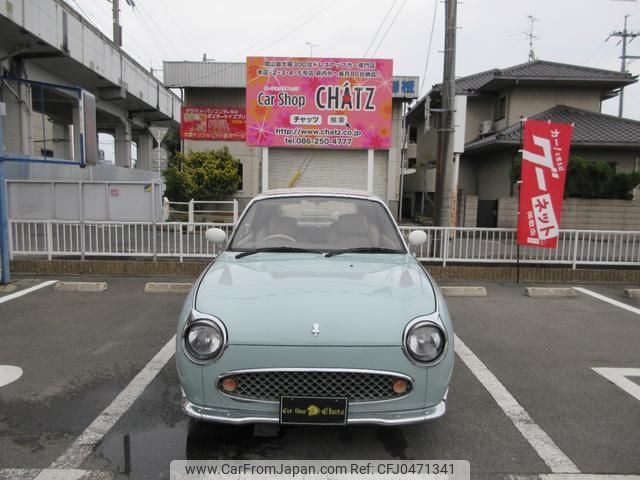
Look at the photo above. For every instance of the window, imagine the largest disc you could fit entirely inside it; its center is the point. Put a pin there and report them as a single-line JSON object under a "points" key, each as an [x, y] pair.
{"points": [[323, 223], [411, 163], [413, 134], [241, 174], [501, 108]]}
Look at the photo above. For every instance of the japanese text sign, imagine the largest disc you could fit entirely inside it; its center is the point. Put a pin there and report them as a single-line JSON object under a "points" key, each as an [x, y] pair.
{"points": [[212, 123], [319, 102], [545, 157]]}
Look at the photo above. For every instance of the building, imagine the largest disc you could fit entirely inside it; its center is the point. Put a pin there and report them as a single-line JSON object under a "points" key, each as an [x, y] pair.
{"points": [[217, 84], [490, 107], [48, 54]]}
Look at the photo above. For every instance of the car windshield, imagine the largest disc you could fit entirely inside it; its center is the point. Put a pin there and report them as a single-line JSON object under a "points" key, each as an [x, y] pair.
{"points": [[326, 224]]}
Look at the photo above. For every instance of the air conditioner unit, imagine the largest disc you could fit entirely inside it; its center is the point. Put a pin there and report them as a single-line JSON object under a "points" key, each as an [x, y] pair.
{"points": [[486, 127]]}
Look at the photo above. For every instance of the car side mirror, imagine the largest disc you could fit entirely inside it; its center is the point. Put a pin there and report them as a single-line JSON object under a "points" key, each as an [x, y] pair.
{"points": [[417, 237], [215, 235]]}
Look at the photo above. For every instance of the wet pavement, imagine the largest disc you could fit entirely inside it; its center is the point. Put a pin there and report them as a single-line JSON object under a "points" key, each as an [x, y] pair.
{"points": [[78, 351]]}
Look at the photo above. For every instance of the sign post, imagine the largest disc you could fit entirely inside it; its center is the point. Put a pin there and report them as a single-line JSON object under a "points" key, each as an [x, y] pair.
{"points": [[545, 158]]}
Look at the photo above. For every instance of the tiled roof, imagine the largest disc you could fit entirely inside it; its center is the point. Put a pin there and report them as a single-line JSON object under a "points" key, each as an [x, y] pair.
{"points": [[473, 82], [590, 128], [541, 69], [536, 71]]}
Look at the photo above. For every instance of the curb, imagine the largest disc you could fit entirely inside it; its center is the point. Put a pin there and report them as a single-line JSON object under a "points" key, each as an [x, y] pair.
{"points": [[91, 287], [544, 292], [463, 291], [633, 293], [159, 287], [452, 273]]}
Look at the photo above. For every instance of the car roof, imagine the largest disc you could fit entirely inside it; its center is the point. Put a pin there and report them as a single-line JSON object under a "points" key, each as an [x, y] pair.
{"points": [[320, 191]]}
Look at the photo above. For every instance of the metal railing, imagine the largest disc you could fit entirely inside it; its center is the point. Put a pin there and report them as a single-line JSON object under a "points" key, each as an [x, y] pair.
{"points": [[224, 210], [53, 238], [180, 240]]}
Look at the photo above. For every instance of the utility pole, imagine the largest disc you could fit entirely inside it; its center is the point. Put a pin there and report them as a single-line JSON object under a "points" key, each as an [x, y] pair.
{"points": [[447, 178], [624, 35], [117, 29], [311, 45]]}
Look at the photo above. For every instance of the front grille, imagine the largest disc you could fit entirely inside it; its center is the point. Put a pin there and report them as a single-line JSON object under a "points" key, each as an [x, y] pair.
{"points": [[355, 385]]}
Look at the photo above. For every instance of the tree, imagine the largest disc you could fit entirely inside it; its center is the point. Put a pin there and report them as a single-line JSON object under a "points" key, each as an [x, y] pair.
{"points": [[209, 175], [592, 179]]}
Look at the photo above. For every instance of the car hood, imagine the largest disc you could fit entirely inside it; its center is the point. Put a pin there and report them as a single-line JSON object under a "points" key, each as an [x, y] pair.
{"points": [[355, 299]]}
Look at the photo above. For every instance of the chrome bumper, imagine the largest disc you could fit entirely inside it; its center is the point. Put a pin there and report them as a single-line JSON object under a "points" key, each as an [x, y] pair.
{"points": [[238, 417]]}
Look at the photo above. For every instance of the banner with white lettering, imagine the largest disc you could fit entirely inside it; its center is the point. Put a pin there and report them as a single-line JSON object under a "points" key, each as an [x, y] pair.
{"points": [[545, 158]]}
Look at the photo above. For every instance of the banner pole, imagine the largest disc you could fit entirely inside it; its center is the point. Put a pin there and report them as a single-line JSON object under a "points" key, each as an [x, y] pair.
{"points": [[519, 183]]}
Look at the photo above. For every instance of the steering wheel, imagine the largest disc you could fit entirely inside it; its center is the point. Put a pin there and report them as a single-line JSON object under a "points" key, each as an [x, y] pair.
{"points": [[280, 236]]}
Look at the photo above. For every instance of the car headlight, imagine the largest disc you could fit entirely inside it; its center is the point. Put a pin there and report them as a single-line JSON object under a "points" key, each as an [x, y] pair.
{"points": [[424, 341], [204, 339]]}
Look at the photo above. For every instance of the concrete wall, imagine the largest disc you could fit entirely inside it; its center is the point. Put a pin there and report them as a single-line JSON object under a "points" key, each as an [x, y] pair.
{"points": [[583, 214], [528, 101], [468, 214], [38, 171], [468, 176], [492, 173], [478, 110], [426, 149]]}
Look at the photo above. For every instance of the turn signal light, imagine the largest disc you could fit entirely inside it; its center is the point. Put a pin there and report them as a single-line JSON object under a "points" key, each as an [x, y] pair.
{"points": [[229, 384], [400, 386]]}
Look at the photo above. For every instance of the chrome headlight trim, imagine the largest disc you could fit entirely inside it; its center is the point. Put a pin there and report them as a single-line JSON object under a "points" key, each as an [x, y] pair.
{"points": [[196, 318], [432, 319]]}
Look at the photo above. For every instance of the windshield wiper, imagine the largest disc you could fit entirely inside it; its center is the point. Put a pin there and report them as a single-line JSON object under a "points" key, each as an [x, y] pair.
{"points": [[364, 250], [277, 249]]}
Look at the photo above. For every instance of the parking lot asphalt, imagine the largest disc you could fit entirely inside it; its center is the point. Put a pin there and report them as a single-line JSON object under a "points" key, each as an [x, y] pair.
{"points": [[79, 351]]}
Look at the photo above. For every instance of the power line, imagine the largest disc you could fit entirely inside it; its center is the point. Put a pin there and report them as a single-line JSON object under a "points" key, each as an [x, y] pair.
{"points": [[293, 30], [433, 27], [161, 30], [277, 40], [393, 20], [384, 19], [150, 31]]}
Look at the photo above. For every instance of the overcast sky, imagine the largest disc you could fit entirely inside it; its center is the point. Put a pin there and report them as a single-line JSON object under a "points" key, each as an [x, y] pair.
{"points": [[490, 35]]}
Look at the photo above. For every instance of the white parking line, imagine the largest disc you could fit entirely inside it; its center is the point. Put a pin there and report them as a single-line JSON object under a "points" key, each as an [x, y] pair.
{"points": [[26, 291], [542, 443], [83, 446], [624, 306], [618, 376], [9, 374]]}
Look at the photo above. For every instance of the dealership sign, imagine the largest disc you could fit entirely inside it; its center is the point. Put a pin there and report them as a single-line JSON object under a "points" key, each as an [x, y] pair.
{"points": [[319, 102], [545, 157], [212, 123]]}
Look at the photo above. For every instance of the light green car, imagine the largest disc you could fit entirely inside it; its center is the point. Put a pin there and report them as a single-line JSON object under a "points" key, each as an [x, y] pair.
{"points": [[316, 313]]}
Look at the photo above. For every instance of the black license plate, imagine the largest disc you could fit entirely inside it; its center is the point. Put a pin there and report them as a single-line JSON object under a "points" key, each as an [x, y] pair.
{"points": [[313, 410]]}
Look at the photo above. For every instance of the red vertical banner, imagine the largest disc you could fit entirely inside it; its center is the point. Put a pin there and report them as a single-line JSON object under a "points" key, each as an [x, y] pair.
{"points": [[545, 158]]}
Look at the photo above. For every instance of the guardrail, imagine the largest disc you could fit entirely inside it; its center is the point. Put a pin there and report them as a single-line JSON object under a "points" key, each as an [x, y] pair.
{"points": [[444, 245]]}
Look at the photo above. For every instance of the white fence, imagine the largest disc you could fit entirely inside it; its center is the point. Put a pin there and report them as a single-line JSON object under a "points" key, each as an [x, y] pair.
{"points": [[180, 240], [227, 210]]}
